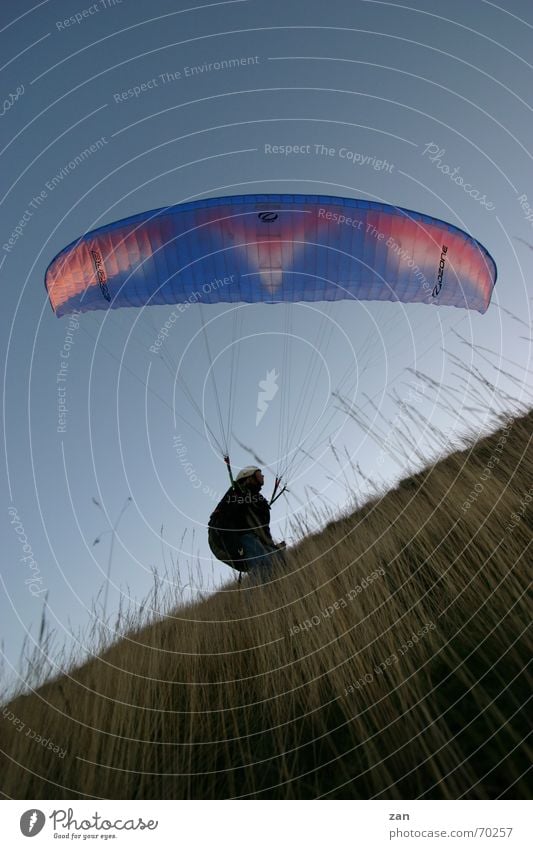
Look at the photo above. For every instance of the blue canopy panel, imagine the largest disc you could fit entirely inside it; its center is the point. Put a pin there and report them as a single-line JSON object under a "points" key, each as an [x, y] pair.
{"points": [[272, 248]]}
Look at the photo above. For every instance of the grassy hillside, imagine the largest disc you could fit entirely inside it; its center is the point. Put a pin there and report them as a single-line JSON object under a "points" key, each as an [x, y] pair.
{"points": [[389, 662]]}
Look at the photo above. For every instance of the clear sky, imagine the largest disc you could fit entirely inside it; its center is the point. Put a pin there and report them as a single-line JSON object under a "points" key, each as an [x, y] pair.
{"points": [[423, 87]]}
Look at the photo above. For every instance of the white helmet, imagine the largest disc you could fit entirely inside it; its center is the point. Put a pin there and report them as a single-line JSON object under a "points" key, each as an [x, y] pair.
{"points": [[247, 472]]}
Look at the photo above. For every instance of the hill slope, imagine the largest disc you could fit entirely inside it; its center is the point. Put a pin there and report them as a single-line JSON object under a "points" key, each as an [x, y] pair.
{"points": [[388, 662]]}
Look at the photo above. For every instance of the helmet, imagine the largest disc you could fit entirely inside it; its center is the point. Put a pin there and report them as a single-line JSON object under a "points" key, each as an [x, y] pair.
{"points": [[247, 472]]}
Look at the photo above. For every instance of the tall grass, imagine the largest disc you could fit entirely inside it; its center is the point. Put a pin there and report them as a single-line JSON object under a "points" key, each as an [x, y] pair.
{"points": [[387, 661]]}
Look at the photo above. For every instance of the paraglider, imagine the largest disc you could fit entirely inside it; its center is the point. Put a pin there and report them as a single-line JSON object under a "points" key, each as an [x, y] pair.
{"points": [[239, 527], [271, 249]]}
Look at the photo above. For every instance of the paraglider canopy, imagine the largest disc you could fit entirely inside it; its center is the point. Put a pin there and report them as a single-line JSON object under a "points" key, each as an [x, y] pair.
{"points": [[269, 249], [272, 248]]}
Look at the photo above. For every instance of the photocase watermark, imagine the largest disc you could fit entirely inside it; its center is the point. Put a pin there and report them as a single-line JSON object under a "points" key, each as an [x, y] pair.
{"points": [[415, 394], [478, 832], [9, 101], [35, 580], [390, 661], [72, 164], [62, 374], [518, 515], [487, 471], [435, 155], [184, 73], [85, 828], [268, 389], [194, 298], [196, 482], [31, 734], [526, 208], [82, 15], [93, 827], [40, 197], [355, 157], [338, 604], [390, 242], [32, 822]]}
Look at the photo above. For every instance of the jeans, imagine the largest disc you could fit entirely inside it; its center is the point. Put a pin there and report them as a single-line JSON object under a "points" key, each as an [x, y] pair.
{"points": [[261, 558]]}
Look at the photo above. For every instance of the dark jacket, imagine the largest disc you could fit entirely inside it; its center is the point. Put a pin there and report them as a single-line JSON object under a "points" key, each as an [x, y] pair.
{"points": [[241, 510]]}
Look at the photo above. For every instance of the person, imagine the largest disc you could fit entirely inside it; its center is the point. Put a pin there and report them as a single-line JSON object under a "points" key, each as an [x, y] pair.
{"points": [[239, 528]]}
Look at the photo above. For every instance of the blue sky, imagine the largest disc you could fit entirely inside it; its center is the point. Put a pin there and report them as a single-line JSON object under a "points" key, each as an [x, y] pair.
{"points": [[420, 86]]}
